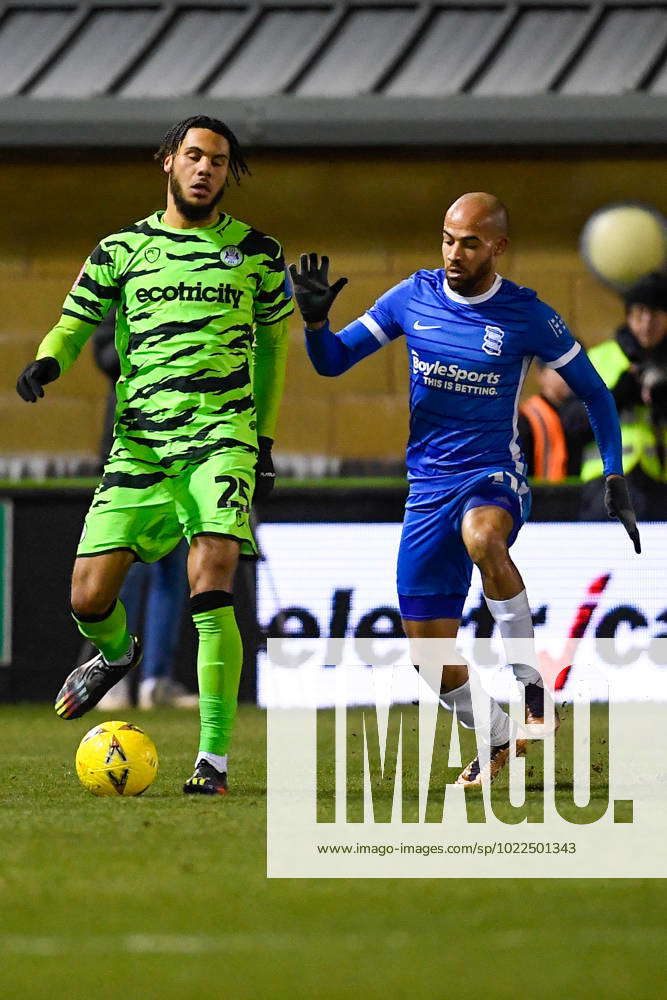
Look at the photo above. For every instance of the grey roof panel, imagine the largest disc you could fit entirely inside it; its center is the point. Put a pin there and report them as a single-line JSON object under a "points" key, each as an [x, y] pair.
{"points": [[272, 122], [659, 84], [366, 44], [26, 39], [271, 56], [188, 52], [107, 43], [378, 72], [620, 53], [455, 44], [534, 52]]}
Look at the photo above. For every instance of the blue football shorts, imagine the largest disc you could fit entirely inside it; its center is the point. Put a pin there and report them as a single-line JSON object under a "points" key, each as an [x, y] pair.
{"points": [[434, 569]]}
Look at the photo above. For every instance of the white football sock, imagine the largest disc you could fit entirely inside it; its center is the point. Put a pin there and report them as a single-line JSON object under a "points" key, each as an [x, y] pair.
{"points": [[461, 697], [515, 622], [219, 763]]}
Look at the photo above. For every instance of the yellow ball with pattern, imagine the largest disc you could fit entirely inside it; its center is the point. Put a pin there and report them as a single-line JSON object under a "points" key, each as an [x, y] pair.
{"points": [[116, 758]]}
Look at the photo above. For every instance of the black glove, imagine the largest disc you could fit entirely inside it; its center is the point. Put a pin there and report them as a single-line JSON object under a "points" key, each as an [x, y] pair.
{"points": [[34, 376], [265, 474], [314, 295], [618, 503]]}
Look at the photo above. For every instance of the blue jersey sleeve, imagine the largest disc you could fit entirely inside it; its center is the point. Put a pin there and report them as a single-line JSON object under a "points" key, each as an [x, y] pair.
{"points": [[385, 318], [550, 338], [585, 382], [333, 353], [555, 345]]}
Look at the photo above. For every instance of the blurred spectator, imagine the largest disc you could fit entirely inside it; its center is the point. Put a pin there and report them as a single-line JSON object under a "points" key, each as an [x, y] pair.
{"points": [[634, 366], [159, 589], [549, 428]]}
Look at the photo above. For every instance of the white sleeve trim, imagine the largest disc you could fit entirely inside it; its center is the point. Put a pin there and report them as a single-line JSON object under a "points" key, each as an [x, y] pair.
{"points": [[564, 358], [374, 328]]}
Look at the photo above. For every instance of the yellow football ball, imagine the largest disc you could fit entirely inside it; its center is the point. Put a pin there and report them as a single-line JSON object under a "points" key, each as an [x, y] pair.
{"points": [[116, 758], [623, 242]]}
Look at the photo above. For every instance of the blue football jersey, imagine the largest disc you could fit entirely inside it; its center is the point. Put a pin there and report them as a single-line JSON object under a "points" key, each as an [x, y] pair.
{"points": [[467, 360]]}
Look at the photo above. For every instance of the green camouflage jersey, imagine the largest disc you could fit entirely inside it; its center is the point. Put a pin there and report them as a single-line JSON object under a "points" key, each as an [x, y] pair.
{"points": [[189, 302]]}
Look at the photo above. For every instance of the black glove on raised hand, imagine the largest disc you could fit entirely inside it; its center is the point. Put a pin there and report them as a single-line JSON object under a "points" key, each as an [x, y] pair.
{"points": [[314, 295], [36, 375], [618, 503], [265, 474]]}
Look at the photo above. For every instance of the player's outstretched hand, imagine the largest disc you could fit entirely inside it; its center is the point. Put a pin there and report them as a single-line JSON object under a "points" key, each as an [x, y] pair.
{"points": [[35, 376], [314, 295], [618, 503], [265, 474]]}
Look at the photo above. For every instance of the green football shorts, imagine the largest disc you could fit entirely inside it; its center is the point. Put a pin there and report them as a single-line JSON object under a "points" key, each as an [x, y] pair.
{"points": [[145, 509]]}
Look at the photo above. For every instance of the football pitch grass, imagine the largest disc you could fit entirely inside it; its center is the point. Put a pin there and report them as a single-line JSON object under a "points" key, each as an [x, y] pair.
{"points": [[165, 896]]}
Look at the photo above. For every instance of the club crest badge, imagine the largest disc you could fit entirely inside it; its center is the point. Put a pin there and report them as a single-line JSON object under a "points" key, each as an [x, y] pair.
{"points": [[152, 254], [493, 340], [231, 256]]}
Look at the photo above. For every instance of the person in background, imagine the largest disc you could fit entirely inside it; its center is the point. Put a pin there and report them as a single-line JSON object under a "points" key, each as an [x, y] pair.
{"points": [[633, 364], [550, 428], [159, 589]]}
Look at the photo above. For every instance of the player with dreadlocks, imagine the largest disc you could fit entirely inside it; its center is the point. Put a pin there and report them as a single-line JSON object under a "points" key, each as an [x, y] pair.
{"points": [[172, 141], [201, 331]]}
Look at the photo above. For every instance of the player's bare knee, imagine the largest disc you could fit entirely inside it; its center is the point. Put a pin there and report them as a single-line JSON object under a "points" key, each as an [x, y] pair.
{"points": [[488, 550], [89, 594], [212, 564], [96, 581], [484, 545], [90, 600], [212, 573], [213, 578]]}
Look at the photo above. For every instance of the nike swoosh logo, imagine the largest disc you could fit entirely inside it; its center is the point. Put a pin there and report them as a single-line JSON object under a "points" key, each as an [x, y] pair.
{"points": [[418, 326]]}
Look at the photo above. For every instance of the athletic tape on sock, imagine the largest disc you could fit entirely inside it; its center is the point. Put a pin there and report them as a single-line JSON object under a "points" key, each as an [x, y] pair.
{"points": [[209, 600], [94, 619]]}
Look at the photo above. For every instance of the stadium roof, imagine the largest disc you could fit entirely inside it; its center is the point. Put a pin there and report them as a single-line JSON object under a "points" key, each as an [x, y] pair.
{"points": [[328, 73]]}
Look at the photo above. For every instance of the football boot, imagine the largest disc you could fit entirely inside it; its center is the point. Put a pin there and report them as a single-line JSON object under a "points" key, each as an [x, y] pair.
{"points": [[206, 780], [475, 775], [88, 684], [535, 700]]}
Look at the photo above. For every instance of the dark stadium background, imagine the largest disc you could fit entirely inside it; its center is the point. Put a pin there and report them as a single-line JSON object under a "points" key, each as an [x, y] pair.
{"points": [[362, 123]]}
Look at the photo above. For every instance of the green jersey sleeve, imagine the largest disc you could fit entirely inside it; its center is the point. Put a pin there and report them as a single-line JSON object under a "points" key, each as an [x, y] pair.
{"points": [[273, 300], [94, 292], [271, 344]]}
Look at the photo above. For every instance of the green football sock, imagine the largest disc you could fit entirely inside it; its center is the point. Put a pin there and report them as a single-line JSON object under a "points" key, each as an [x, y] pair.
{"points": [[110, 635], [219, 662]]}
